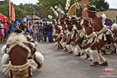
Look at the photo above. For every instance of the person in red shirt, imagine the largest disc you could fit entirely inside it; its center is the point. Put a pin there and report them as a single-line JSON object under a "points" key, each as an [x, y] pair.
{"points": [[6, 28]]}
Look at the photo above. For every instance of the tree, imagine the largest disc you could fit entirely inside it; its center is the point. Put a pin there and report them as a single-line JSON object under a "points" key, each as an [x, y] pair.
{"points": [[20, 13], [30, 9], [45, 5], [42, 9], [101, 5], [4, 8]]}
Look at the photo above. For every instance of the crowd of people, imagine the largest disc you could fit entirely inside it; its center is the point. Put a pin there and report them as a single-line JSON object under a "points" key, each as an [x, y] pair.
{"points": [[5, 29], [41, 31], [84, 37], [19, 54], [81, 36]]}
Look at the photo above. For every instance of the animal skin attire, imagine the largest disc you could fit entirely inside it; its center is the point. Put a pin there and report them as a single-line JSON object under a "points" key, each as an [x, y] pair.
{"points": [[19, 39]]}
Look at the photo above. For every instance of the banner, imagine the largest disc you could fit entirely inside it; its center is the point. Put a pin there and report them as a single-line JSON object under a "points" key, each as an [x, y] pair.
{"points": [[13, 13], [9, 5]]}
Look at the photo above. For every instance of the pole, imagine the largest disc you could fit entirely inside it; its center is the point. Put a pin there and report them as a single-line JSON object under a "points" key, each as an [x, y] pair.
{"points": [[9, 9]]}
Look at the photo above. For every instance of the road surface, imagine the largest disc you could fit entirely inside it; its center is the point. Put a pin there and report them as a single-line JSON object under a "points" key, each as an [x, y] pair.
{"points": [[59, 64]]}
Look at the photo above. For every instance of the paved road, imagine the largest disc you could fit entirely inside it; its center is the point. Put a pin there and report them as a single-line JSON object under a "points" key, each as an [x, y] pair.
{"points": [[59, 64]]}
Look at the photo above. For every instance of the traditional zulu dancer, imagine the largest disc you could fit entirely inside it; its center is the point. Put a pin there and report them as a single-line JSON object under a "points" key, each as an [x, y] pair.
{"points": [[58, 35], [90, 35], [58, 26], [70, 34], [20, 56], [63, 33], [79, 37], [104, 36]]}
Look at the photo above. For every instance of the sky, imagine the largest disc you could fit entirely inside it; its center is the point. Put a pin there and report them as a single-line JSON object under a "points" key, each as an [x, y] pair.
{"points": [[24, 1], [113, 3]]}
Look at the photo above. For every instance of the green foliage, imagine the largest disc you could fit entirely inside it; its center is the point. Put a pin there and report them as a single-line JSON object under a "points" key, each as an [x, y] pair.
{"points": [[4, 8], [21, 10], [42, 9], [101, 5], [45, 5], [29, 9], [20, 13]]}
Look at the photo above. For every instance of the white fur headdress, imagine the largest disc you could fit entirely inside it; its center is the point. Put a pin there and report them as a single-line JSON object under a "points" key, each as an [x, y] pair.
{"points": [[59, 9], [55, 12], [50, 16], [16, 38]]}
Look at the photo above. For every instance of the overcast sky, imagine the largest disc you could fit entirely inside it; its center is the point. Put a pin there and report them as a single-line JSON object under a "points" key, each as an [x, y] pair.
{"points": [[113, 3], [24, 1]]}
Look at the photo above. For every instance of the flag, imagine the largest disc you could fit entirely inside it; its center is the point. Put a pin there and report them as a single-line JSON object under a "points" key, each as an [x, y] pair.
{"points": [[13, 13], [9, 4]]}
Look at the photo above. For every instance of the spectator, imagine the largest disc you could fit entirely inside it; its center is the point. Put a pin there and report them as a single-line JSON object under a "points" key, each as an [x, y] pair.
{"points": [[45, 30], [11, 27], [40, 32], [2, 33], [50, 32], [6, 28], [34, 33], [30, 28]]}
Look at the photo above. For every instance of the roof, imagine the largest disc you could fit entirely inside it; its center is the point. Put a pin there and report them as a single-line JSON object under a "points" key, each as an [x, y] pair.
{"points": [[111, 13], [32, 17]]}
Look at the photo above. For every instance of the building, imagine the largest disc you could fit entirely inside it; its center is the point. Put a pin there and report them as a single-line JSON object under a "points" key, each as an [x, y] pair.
{"points": [[111, 13], [33, 18]]}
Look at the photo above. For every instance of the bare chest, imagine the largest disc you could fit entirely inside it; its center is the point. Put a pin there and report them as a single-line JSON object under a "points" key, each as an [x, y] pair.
{"points": [[96, 24]]}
